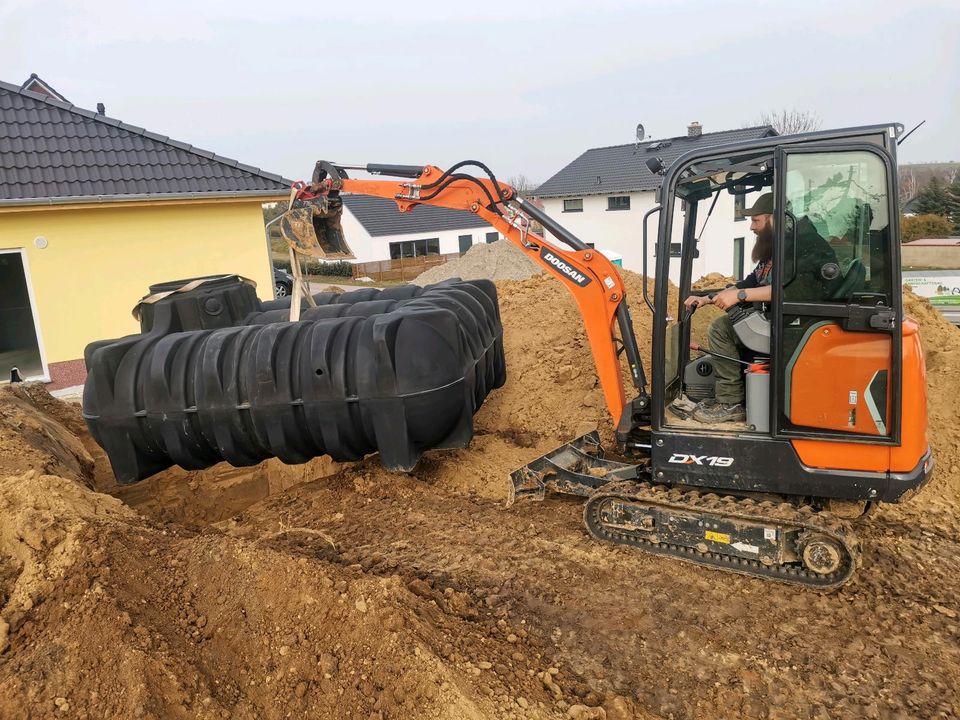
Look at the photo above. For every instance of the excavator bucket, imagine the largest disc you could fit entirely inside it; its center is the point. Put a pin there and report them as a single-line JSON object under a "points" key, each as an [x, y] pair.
{"points": [[312, 227], [576, 468]]}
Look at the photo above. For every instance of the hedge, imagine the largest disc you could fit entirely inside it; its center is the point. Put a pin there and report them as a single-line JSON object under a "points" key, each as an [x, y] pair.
{"points": [[916, 227], [340, 268]]}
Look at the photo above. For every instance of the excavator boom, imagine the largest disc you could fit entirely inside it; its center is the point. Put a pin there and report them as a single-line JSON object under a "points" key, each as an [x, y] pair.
{"points": [[587, 274]]}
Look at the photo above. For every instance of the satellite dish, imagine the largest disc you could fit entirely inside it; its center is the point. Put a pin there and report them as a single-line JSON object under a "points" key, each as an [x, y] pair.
{"points": [[640, 132]]}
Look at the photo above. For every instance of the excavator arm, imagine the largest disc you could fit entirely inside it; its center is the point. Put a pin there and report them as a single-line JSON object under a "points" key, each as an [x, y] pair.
{"points": [[587, 274]]}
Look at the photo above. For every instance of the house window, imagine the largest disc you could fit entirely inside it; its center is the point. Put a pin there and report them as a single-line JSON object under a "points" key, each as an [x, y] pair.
{"points": [[739, 205], [492, 237], [466, 241], [618, 202], [575, 205], [414, 248]]}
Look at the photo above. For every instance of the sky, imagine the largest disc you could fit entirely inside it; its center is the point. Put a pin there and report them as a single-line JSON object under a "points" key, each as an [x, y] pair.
{"points": [[525, 87]]}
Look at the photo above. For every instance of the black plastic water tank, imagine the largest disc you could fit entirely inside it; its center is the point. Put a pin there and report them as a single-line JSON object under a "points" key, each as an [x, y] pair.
{"points": [[395, 372]]}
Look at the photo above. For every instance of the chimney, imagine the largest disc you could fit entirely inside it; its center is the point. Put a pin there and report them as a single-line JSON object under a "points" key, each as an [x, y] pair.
{"points": [[694, 130], [101, 110]]}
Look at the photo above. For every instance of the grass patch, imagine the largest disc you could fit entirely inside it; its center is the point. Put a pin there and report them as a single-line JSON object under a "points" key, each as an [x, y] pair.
{"points": [[339, 280]]}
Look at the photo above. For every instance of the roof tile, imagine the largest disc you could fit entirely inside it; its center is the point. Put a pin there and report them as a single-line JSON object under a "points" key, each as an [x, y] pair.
{"points": [[380, 216], [50, 149], [622, 168]]}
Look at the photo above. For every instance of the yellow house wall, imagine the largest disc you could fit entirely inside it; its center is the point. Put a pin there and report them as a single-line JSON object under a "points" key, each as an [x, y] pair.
{"points": [[98, 262]]}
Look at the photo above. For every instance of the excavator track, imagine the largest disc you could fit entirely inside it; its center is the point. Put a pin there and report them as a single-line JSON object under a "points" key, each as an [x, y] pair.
{"points": [[776, 541]]}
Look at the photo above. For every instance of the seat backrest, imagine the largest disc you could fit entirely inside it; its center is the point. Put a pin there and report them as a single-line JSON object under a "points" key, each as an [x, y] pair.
{"points": [[752, 329], [852, 280]]}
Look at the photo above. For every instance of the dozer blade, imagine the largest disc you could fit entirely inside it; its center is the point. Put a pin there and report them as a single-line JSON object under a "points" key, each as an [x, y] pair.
{"points": [[576, 468], [312, 227]]}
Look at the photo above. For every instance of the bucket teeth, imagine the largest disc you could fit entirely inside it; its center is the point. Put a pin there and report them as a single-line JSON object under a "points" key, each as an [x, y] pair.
{"points": [[312, 227]]}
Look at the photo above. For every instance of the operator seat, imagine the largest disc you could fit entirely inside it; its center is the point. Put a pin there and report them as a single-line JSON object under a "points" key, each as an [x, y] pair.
{"points": [[752, 328]]}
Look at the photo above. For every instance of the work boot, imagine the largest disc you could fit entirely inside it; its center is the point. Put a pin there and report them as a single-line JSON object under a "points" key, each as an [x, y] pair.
{"points": [[720, 412]]}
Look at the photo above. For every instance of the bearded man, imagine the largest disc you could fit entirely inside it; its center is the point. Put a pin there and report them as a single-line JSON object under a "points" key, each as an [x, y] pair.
{"points": [[814, 276], [755, 287]]}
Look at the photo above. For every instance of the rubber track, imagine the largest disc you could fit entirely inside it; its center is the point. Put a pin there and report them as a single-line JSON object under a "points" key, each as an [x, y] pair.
{"points": [[784, 515]]}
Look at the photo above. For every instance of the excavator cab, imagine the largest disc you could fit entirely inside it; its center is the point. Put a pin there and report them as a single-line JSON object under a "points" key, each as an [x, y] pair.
{"points": [[833, 373]]}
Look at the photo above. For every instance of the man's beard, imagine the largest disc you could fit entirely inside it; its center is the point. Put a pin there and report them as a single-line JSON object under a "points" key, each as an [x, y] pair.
{"points": [[763, 248]]}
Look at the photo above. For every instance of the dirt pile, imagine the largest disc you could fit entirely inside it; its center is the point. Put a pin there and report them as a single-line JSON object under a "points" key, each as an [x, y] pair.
{"points": [[713, 281], [40, 433], [941, 348], [199, 626], [206, 496], [108, 614], [493, 261], [552, 392]]}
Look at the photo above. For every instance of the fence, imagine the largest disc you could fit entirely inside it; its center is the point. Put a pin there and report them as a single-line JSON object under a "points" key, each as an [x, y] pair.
{"points": [[402, 269]]}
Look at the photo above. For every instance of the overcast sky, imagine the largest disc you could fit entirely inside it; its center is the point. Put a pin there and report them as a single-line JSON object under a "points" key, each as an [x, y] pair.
{"points": [[525, 87]]}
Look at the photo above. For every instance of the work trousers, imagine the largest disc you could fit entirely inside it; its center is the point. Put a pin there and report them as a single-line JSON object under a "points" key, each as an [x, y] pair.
{"points": [[729, 374]]}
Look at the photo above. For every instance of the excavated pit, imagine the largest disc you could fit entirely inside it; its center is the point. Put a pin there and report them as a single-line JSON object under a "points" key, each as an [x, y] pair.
{"points": [[344, 591]]}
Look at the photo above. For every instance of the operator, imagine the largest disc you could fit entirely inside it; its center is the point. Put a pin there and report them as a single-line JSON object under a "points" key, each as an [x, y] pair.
{"points": [[755, 287], [809, 285]]}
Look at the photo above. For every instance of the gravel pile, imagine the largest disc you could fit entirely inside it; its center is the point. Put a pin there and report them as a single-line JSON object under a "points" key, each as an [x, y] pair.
{"points": [[494, 261]]}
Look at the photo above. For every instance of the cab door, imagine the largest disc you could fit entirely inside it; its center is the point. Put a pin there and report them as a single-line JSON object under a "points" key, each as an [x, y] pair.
{"points": [[837, 298]]}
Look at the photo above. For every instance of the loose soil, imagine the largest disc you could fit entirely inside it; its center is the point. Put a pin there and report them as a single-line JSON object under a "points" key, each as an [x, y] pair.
{"points": [[343, 591]]}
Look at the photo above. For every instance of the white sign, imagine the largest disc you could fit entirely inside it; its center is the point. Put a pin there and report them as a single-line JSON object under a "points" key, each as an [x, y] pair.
{"points": [[941, 287]]}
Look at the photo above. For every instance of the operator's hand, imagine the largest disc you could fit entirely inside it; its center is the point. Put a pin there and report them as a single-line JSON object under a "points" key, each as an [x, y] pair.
{"points": [[726, 298], [695, 301]]}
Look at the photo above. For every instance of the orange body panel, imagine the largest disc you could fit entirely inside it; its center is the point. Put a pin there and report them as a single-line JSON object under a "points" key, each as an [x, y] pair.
{"points": [[913, 436], [597, 300], [830, 377]]}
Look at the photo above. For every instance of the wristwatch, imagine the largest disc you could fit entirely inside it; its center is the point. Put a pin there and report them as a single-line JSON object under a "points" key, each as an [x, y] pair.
{"points": [[742, 296]]}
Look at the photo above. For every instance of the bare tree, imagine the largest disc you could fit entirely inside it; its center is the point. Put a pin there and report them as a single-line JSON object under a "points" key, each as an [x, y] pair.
{"points": [[791, 122], [909, 184], [522, 184]]}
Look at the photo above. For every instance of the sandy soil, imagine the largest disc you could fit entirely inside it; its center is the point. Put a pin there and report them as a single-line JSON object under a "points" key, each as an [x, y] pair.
{"points": [[342, 591]]}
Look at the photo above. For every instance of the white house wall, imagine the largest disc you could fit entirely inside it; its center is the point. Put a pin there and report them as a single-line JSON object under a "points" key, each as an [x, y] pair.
{"points": [[367, 248], [621, 231]]}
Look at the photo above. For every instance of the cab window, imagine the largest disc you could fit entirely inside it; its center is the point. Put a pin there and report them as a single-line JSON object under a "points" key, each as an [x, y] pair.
{"points": [[836, 228]]}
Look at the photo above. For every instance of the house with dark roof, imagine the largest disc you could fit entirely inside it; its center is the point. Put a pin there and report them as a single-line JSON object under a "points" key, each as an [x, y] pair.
{"points": [[603, 195], [93, 211], [376, 230]]}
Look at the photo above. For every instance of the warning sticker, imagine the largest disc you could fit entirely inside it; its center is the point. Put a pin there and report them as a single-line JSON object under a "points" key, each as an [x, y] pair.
{"points": [[769, 533], [717, 537]]}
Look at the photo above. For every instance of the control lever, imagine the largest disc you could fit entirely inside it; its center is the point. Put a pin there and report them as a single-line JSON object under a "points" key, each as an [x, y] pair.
{"points": [[698, 348]]}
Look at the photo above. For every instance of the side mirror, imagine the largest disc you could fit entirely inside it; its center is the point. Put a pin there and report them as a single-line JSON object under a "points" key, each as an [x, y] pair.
{"points": [[655, 165]]}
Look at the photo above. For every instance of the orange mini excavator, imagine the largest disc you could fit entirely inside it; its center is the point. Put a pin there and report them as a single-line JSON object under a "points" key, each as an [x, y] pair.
{"points": [[834, 372]]}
